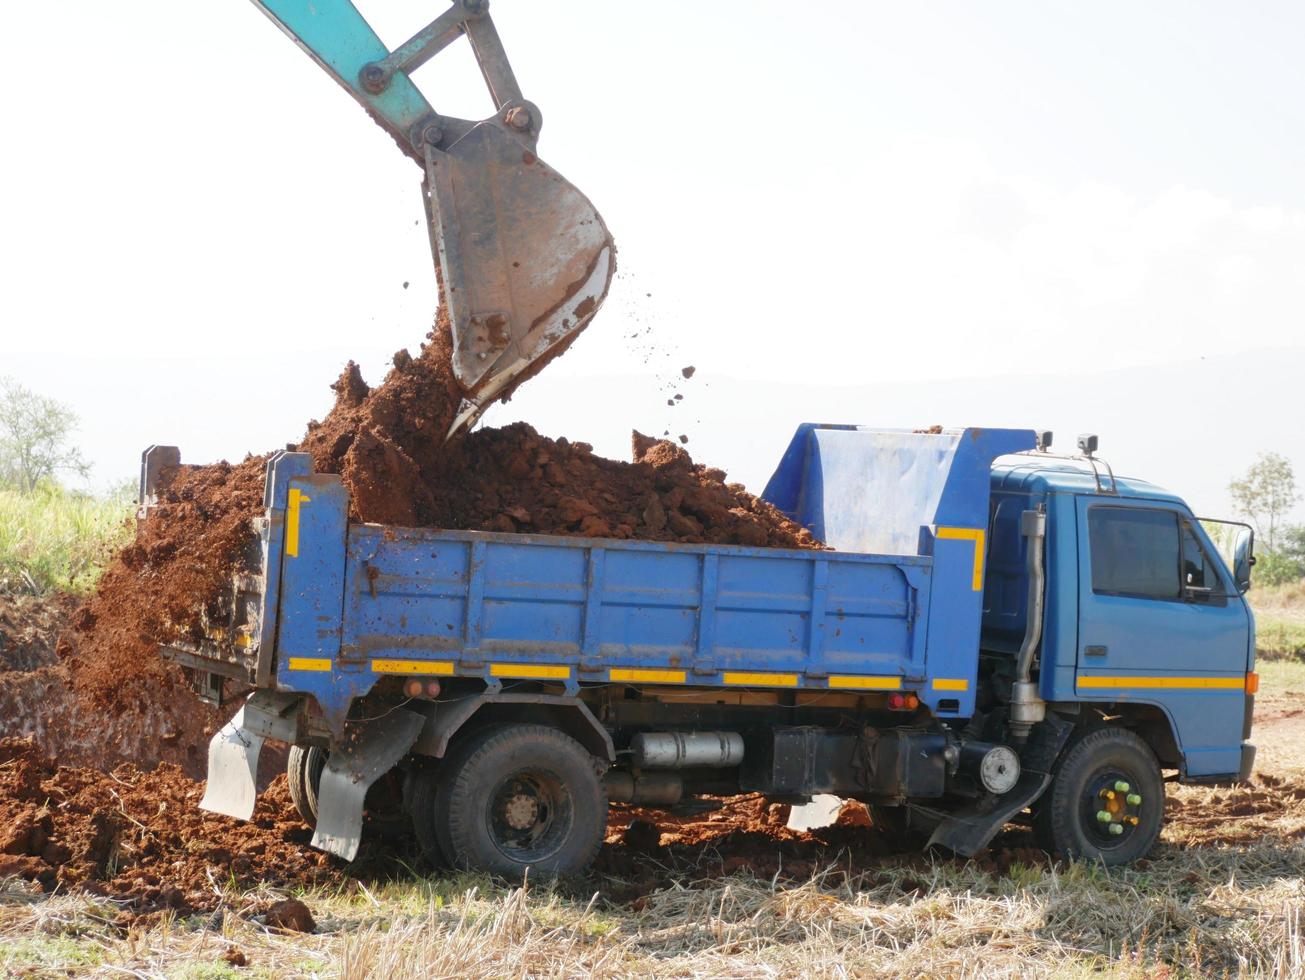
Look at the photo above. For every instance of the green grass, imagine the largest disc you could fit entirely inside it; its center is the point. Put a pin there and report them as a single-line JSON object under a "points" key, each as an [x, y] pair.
{"points": [[1279, 639], [58, 540], [1279, 621], [1280, 677]]}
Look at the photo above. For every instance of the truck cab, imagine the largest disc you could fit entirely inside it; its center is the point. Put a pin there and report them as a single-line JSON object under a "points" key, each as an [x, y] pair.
{"points": [[1144, 621]]}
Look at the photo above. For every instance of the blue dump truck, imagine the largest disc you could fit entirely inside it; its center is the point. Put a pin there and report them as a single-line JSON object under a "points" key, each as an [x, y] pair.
{"points": [[1000, 635]]}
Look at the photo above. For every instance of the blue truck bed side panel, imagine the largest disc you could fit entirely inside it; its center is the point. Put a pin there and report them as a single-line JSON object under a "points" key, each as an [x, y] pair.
{"points": [[362, 601], [483, 600]]}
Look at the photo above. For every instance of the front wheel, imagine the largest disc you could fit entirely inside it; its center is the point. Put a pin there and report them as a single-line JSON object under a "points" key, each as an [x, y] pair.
{"points": [[1106, 801], [512, 799]]}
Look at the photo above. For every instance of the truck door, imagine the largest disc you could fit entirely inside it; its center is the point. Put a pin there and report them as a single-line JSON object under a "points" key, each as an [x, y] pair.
{"points": [[1161, 623]]}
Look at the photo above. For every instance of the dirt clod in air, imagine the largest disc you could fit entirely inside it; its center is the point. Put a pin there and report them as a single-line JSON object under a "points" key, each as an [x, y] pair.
{"points": [[689, 371]]}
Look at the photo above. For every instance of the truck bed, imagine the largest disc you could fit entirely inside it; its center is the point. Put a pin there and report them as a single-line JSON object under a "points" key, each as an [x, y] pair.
{"points": [[329, 607]]}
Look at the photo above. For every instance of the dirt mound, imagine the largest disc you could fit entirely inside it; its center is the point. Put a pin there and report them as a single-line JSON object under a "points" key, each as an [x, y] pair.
{"points": [[39, 698], [29, 628], [141, 836]]}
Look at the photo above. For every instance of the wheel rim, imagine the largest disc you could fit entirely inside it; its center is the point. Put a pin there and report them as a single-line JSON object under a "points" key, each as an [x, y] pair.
{"points": [[1112, 807], [529, 815]]}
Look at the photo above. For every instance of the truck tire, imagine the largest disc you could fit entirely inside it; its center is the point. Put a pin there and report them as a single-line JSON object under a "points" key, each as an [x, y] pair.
{"points": [[1107, 778], [384, 816], [303, 770], [511, 799]]}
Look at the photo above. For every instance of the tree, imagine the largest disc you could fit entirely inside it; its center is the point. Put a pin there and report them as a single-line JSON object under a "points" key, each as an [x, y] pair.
{"points": [[35, 434], [1265, 494]]}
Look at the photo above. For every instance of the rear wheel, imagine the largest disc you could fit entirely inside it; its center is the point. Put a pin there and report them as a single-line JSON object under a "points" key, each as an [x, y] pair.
{"points": [[510, 799], [1106, 802], [303, 770], [384, 813]]}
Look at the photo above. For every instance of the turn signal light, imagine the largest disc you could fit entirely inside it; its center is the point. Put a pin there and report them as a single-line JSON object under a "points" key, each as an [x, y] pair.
{"points": [[1252, 682], [903, 702]]}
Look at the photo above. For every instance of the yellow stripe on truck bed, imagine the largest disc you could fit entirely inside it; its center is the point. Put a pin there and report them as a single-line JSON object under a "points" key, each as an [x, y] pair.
{"points": [[442, 668], [951, 684], [975, 534], [310, 663], [865, 683], [649, 676], [547, 672], [760, 680]]}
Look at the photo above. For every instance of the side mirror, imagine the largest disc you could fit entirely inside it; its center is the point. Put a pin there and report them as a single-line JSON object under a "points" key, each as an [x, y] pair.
{"points": [[1243, 558]]}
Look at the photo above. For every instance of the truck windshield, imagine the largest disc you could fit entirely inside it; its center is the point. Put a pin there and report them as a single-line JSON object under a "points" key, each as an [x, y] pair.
{"points": [[1135, 552]]}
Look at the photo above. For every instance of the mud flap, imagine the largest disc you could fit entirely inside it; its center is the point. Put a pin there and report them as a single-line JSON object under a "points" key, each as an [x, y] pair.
{"points": [[968, 831], [232, 786], [368, 752]]}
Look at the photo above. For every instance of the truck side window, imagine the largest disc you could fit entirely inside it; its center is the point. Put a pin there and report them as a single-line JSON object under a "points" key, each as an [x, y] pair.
{"points": [[1199, 574], [1135, 552]]}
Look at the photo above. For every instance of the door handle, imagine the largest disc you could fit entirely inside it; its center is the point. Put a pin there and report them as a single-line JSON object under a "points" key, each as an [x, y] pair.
{"points": [[1094, 651]]}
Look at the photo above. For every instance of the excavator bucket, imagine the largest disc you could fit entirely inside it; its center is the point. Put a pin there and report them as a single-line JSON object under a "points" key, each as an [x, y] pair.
{"points": [[523, 258]]}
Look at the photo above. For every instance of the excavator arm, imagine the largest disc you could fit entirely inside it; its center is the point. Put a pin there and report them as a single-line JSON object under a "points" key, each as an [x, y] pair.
{"points": [[523, 258]]}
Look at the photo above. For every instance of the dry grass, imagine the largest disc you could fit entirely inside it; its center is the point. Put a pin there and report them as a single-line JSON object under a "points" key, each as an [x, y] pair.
{"points": [[1222, 896], [1224, 911]]}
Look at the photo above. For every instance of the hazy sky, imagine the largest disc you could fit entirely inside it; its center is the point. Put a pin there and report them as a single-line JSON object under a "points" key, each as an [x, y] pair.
{"points": [[200, 227]]}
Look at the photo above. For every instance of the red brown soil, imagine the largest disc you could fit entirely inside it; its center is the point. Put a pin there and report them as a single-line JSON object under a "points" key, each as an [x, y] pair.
{"points": [[29, 626], [141, 836], [514, 479]]}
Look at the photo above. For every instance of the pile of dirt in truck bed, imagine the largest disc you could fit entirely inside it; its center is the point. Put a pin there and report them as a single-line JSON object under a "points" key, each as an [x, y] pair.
{"points": [[388, 446]]}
